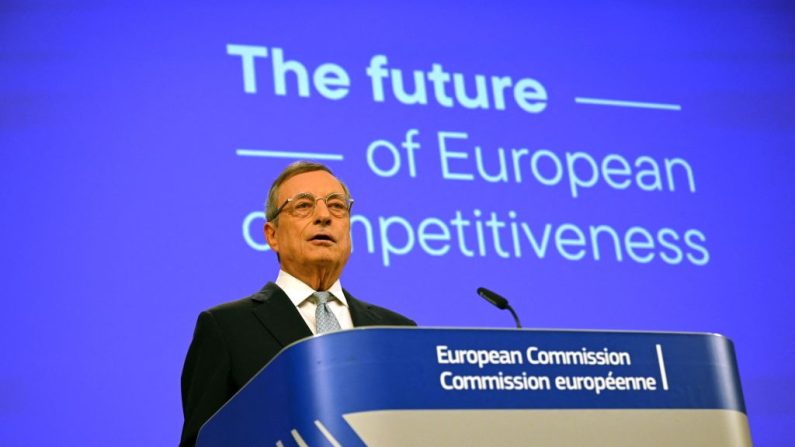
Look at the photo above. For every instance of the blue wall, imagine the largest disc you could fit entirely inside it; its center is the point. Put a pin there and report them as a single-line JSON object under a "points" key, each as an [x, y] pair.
{"points": [[136, 157]]}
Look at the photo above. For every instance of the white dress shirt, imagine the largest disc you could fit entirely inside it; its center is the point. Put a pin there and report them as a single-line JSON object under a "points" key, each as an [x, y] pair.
{"points": [[300, 294]]}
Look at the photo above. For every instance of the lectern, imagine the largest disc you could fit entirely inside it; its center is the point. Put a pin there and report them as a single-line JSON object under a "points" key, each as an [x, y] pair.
{"points": [[490, 387]]}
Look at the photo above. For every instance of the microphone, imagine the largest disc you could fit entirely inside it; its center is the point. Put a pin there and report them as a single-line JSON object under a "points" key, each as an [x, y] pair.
{"points": [[499, 302]]}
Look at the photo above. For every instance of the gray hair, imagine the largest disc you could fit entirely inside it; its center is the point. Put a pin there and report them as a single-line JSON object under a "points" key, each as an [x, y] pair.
{"points": [[299, 167]]}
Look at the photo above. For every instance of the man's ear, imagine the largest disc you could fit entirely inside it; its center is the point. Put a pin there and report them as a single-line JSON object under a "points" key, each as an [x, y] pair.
{"points": [[270, 236]]}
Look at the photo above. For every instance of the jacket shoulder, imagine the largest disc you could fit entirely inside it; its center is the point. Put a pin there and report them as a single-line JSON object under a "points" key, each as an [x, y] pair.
{"points": [[392, 317], [246, 303], [368, 314]]}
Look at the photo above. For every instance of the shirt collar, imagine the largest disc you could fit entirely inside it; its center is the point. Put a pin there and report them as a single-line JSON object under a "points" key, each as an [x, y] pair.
{"points": [[298, 291]]}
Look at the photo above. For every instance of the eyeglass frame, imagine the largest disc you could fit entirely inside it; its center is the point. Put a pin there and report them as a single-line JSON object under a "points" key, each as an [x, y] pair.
{"points": [[348, 200]]}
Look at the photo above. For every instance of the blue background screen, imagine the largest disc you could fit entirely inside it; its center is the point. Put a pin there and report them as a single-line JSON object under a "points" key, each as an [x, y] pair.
{"points": [[604, 165]]}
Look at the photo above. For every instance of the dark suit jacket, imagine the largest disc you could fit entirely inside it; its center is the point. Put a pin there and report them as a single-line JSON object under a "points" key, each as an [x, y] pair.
{"points": [[233, 341]]}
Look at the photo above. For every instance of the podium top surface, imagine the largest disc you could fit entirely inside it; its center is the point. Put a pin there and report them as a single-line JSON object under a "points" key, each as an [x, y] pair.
{"points": [[396, 369]]}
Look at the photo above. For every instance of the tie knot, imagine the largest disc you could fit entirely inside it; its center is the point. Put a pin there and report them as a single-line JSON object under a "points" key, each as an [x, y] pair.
{"points": [[321, 297]]}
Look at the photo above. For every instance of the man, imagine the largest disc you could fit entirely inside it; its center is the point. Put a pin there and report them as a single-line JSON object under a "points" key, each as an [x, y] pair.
{"points": [[308, 227]]}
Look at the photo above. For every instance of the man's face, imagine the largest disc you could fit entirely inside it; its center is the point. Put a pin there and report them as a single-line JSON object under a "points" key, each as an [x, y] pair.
{"points": [[318, 242]]}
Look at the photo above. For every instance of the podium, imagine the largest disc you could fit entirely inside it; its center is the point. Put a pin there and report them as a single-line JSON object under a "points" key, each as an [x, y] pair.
{"points": [[490, 387]]}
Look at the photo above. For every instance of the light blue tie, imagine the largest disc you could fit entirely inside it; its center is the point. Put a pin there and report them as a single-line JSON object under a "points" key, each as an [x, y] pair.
{"points": [[324, 318]]}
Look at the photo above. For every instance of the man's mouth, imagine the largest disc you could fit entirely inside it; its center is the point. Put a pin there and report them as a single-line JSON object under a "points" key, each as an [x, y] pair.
{"points": [[322, 237]]}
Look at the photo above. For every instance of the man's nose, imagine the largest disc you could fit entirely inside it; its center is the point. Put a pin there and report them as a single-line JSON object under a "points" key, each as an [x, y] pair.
{"points": [[322, 214]]}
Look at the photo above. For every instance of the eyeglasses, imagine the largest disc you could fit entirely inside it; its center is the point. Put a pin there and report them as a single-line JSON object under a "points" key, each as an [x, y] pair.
{"points": [[304, 204]]}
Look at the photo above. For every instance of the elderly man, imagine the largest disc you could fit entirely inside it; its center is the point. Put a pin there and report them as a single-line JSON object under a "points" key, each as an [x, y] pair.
{"points": [[308, 226]]}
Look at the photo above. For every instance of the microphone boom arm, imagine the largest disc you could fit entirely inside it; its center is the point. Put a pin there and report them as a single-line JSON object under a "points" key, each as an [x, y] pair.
{"points": [[499, 302]]}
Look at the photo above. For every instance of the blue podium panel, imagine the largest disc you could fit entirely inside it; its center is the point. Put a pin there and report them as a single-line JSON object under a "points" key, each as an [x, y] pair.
{"points": [[399, 386]]}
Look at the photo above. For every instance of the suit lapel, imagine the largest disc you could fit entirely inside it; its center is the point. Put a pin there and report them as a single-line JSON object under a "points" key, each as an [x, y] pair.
{"points": [[361, 313], [278, 314]]}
